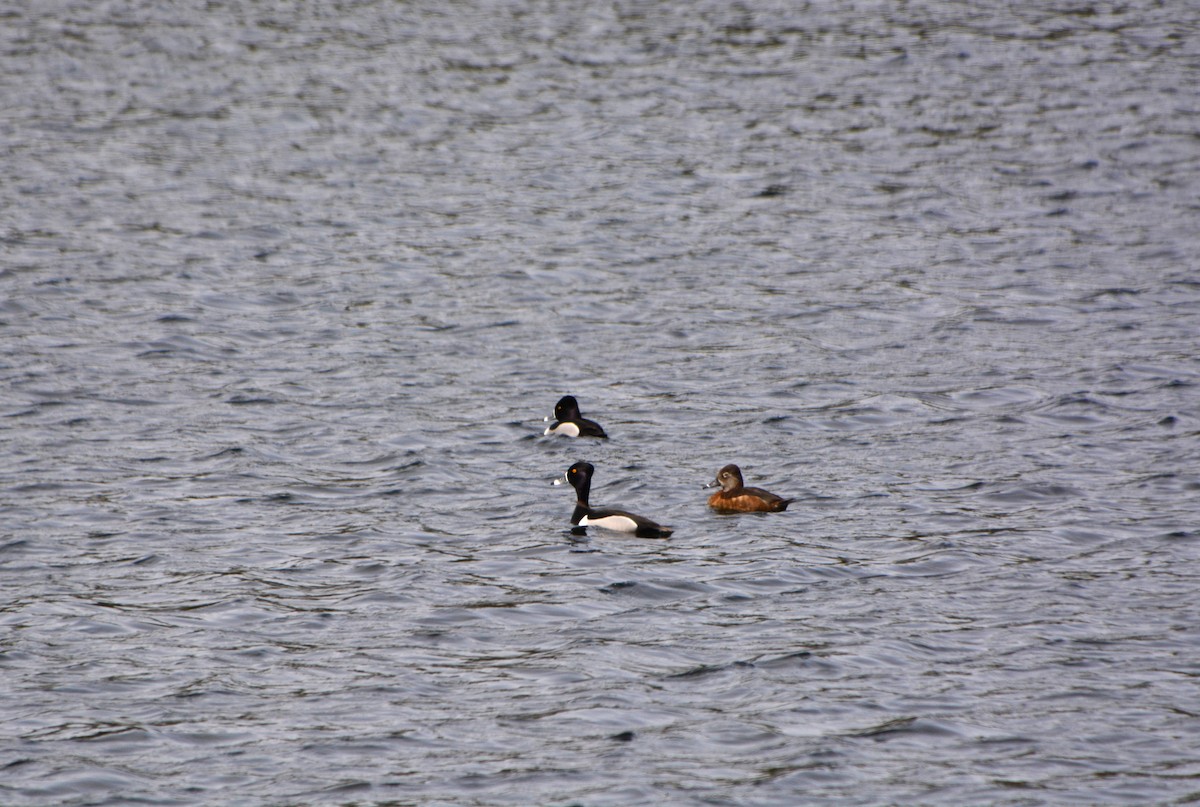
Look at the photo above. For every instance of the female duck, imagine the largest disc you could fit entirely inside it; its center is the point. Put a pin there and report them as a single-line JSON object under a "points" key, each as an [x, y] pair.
{"points": [[568, 421], [579, 476], [733, 497]]}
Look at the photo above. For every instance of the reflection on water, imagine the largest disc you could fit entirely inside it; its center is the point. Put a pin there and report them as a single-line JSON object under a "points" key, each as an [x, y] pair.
{"points": [[286, 295]]}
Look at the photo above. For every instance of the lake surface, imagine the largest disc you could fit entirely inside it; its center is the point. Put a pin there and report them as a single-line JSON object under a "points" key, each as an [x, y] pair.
{"points": [[286, 291]]}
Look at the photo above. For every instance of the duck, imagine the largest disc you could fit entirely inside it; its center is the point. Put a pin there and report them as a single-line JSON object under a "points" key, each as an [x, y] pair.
{"points": [[579, 476], [569, 422], [734, 497]]}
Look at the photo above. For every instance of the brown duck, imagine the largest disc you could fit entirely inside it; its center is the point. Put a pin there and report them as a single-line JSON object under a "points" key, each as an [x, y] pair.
{"points": [[734, 497]]}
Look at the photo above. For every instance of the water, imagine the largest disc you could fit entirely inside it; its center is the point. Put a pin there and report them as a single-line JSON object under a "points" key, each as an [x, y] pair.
{"points": [[286, 293]]}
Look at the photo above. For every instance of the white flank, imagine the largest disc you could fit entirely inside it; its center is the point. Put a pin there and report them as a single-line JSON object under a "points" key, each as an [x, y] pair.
{"points": [[618, 523], [567, 429]]}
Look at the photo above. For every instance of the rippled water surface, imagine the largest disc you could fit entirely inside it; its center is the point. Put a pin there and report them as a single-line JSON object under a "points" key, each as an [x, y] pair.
{"points": [[287, 289]]}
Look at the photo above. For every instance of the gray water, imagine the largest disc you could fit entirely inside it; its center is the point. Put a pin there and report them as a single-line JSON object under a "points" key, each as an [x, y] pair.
{"points": [[287, 289]]}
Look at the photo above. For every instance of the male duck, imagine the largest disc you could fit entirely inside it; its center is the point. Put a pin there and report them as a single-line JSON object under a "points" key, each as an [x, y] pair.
{"points": [[579, 476], [568, 421]]}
